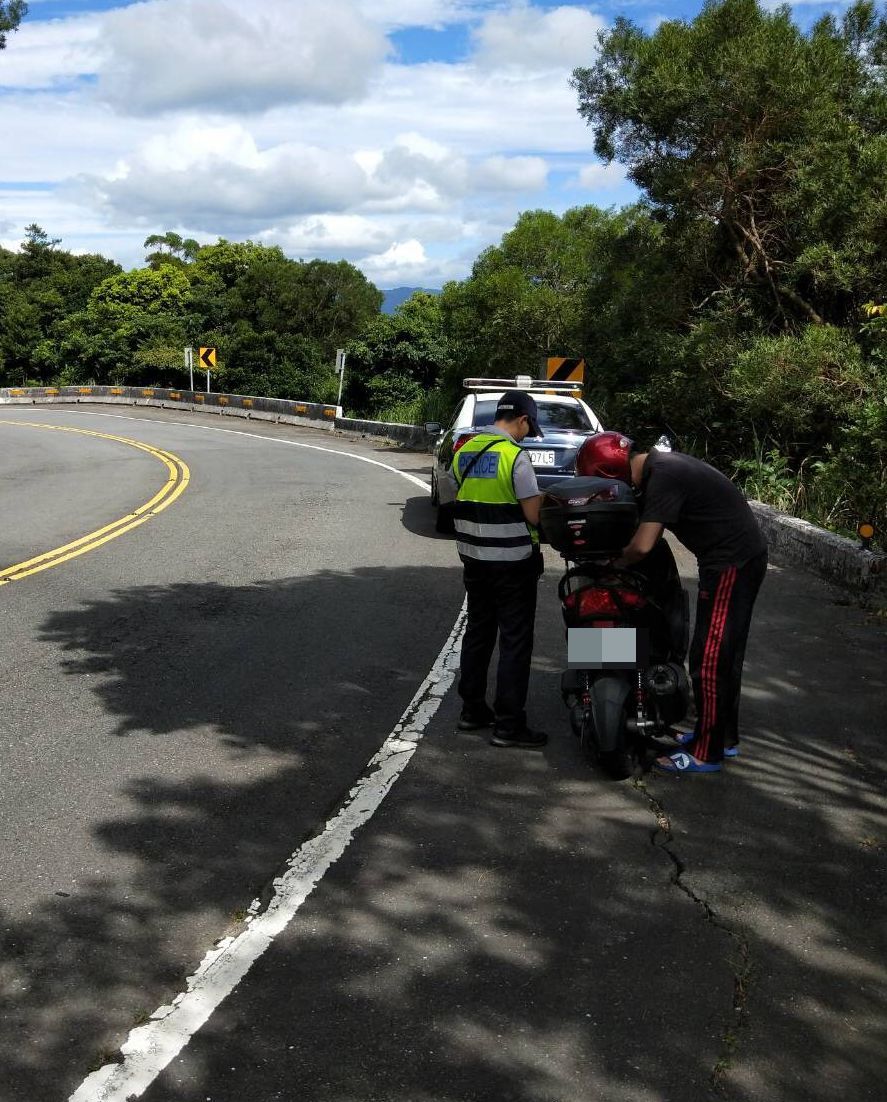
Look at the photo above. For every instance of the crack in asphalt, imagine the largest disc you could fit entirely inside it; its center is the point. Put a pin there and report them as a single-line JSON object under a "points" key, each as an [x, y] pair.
{"points": [[741, 962]]}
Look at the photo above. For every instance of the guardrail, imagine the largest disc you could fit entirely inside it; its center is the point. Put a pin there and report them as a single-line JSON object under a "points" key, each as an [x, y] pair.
{"points": [[241, 405], [839, 560], [313, 414]]}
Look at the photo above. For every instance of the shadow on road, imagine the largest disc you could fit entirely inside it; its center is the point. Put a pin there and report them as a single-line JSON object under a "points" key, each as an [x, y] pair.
{"points": [[418, 517], [508, 927], [250, 710]]}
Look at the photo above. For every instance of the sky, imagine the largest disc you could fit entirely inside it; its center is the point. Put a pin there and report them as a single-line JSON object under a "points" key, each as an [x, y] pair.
{"points": [[404, 136]]}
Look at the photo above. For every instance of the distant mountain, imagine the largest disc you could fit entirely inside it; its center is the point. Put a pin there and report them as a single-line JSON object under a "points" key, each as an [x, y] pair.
{"points": [[396, 295]]}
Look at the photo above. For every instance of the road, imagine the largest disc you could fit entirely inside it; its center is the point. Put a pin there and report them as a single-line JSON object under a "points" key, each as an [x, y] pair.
{"points": [[188, 702]]}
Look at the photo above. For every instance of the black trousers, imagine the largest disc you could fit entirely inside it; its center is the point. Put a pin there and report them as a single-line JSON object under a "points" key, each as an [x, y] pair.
{"points": [[717, 652], [501, 603]]}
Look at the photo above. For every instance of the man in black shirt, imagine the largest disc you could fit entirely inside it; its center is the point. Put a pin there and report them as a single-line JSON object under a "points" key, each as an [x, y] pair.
{"points": [[711, 517]]}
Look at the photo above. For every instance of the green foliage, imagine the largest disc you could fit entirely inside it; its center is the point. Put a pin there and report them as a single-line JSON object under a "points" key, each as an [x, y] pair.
{"points": [[170, 248], [767, 143], [768, 477], [397, 359], [523, 301], [41, 286], [276, 322], [800, 389], [762, 153], [12, 12]]}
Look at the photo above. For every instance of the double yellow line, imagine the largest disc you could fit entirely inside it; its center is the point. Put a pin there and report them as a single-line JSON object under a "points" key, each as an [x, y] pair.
{"points": [[173, 488]]}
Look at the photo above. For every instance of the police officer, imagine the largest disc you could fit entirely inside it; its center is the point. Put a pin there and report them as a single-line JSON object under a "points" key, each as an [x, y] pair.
{"points": [[710, 516], [496, 514]]}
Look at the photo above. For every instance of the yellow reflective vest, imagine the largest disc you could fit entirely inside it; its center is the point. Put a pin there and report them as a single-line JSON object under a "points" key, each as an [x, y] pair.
{"points": [[489, 520]]}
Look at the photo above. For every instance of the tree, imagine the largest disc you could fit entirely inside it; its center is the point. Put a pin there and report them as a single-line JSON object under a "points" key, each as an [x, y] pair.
{"points": [[133, 323], [38, 253], [767, 138], [170, 248], [762, 156], [278, 321], [40, 286], [12, 12], [523, 300], [397, 359], [336, 301]]}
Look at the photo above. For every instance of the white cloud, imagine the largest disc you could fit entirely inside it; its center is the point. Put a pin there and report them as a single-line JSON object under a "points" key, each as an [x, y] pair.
{"points": [[479, 112], [830, 5], [354, 236], [420, 13], [405, 262], [423, 167], [50, 53], [512, 174], [166, 55], [600, 177], [534, 39], [417, 174], [404, 253], [217, 180], [342, 235]]}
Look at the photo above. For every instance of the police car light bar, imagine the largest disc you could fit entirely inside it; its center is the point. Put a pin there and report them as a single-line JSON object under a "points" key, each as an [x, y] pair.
{"points": [[523, 382]]}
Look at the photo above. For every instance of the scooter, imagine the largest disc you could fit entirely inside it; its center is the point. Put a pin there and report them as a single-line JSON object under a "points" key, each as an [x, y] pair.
{"points": [[627, 629]]}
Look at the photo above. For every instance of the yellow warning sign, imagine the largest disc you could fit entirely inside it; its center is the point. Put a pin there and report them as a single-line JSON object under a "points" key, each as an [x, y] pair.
{"points": [[207, 358], [561, 369]]}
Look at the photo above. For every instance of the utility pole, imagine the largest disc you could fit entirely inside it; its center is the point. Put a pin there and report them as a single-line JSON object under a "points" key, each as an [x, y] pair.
{"points": [[340, 371]]}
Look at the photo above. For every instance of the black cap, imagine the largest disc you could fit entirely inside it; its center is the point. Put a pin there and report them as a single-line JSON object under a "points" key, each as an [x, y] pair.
{"points": [[516, 403]]}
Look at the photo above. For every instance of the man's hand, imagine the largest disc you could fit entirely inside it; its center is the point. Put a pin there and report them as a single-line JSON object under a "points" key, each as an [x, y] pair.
{"points": [[531, 507], [642, 543]]}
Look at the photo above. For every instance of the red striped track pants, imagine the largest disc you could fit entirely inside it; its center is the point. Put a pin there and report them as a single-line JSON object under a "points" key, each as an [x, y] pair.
{"points": [[717, 652]]}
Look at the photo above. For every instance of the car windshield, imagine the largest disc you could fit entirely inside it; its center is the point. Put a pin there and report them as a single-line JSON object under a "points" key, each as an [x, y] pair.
{"points": [[553, 416]]}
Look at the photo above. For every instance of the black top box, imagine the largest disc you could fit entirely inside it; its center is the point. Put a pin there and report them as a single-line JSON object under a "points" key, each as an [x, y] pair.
{"points": [[587, 517]]}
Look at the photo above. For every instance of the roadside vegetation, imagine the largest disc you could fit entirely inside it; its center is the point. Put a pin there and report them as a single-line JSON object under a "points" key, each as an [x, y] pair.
{"points": [[741, 304]]}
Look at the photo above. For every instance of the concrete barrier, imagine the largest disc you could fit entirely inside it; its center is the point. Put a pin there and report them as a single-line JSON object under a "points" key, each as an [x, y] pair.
{"points": [[411, 436], [314, 414], [839, 560], [285, 411]]}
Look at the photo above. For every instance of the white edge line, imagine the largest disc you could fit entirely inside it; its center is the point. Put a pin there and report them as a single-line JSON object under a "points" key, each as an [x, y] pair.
{"points": [[251, 435], [151, 1047]]}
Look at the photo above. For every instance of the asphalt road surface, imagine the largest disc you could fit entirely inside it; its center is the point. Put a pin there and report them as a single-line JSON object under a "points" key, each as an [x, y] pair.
{"points": [[182, 705], [186, 703]]}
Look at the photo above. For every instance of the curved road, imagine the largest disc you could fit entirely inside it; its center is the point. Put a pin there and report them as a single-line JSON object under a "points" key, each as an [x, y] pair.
{"points": [[184, 704]]}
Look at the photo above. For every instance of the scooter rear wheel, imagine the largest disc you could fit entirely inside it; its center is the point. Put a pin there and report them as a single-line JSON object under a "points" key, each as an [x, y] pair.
{"points": [[617, 764]]}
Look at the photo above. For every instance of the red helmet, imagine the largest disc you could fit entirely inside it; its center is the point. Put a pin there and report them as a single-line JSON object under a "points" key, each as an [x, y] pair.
{"points": [[606, 455]]}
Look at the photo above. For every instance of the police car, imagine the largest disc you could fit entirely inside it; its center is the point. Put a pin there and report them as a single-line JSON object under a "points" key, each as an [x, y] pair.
{"points": [[564, 418]]}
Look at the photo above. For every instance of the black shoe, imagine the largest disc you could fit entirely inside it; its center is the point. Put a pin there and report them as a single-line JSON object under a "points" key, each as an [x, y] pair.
{"points": [[475, 719], [524, 739]]}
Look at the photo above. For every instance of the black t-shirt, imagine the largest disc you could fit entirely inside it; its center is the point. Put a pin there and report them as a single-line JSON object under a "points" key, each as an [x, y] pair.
{"points": [[704, 509]]}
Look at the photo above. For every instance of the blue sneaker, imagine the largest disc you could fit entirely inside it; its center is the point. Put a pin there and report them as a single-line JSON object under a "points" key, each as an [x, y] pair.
{"points": [[685, 763], [683, 737]]}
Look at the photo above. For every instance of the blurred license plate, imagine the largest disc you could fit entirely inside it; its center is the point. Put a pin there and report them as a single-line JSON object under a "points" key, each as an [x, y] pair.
{"points": [[542, 459], [602, 648]]}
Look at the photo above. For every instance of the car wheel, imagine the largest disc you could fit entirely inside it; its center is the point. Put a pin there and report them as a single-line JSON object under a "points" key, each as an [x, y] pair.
{"points": [[435, 496]]}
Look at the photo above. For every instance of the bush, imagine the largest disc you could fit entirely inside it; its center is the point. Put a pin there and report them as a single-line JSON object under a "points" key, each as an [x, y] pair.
{"points": [[799, 390]]}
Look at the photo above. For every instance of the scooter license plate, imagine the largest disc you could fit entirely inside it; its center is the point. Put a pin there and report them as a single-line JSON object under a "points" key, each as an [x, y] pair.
{"points": [[605, 648]]}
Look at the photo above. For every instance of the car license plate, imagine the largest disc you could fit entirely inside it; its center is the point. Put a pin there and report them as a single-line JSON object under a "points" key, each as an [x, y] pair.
{"points": [[602, 648], [542, 459]]}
